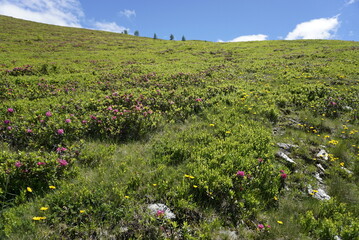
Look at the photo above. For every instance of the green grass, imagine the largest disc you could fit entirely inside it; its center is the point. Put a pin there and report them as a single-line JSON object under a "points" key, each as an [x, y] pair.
{"points": [[190, 124]]}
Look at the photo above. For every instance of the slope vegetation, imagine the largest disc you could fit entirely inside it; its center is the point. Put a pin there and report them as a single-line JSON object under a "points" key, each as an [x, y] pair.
{"points": [[111, 136]]}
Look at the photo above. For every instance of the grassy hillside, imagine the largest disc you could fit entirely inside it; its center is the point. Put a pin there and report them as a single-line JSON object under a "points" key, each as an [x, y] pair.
{"points": [[252, 140]]}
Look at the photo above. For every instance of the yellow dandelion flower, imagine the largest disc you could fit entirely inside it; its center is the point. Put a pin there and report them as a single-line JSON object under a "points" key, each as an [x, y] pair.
{"points": [[211, 125], [127, 197], [44, 208], [342, 164], [333, 142], [29, 189], [275, 198], [280, 222], [82, 211], [189, 176], [52, 187], [315, 191], [228, 131], [42, 218], [154, 184], [36, 218], [195, 186]]}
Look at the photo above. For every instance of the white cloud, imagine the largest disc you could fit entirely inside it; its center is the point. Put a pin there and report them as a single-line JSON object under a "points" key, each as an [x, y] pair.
{"points": [[321, 28], [109, 27], [257, 37], [128, 13], [351, 2], [57, 12]]}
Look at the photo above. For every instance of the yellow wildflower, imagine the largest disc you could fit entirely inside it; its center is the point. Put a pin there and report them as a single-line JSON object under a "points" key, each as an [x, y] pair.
{"points": [[52, 187], [82, 211], [29, 189], [195, 186], [342, 164], [44, 208], [280, 222], [127, 197], [189, 176]]}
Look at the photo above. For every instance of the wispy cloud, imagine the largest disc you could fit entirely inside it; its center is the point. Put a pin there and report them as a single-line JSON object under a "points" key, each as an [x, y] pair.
{"points": [[247, 38], [57, 12], [109, 27], [351, 2], [321, 28], [128, 13]]}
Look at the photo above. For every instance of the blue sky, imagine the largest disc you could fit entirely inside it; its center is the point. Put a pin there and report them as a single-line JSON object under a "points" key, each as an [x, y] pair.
{"points": [[225, 20]]}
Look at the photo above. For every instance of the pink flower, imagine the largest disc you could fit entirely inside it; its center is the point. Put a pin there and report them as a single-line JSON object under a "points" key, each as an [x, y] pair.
{"points": [[62, 162], [48, 114], [114, 117], [332, 103], [260, 226], [199, 99], [282, 171], [7, 121], [61, 149], [42, 121], [160, 213], [93, 117], [241, 173], [40, 163], [28, 130], [60, 131], [10, 110], [268, 226], [83, 121], [68, 120], [9, 128], [260, 160], [283, 176], [18, 164]]}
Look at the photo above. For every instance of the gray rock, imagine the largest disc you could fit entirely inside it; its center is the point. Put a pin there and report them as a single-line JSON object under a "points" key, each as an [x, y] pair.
{"points": [[319, 193], [348, 108], [317, 176], [347, 170], [285, 157], [287, 146], [227, 234], [323, 155], [320, 167], [156, 207], [336, 237]]}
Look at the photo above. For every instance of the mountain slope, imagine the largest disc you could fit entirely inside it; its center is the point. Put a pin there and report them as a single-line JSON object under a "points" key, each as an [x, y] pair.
{"points": [[238, 140]]}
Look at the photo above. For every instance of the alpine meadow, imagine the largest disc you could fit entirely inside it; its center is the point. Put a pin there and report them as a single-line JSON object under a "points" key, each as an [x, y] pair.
{"points": [[113, 136]]}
